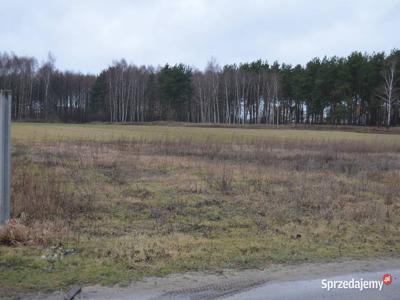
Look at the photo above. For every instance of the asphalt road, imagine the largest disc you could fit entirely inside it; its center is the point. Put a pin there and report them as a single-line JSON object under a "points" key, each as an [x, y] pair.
{"points": [[312, 290]]}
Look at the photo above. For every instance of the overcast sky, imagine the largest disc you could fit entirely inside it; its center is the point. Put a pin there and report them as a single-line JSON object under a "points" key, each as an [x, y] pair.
{"points": [[87, 35]]}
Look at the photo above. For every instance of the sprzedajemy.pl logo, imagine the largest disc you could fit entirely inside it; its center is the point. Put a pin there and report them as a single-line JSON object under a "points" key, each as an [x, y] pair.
{"points": [[357, 284]]}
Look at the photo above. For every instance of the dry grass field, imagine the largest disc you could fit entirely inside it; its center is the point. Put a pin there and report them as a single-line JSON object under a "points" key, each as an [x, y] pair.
{"points": [[113, 203]]}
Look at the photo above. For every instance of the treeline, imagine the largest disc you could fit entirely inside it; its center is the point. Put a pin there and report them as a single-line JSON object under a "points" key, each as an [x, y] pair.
{"points": [[41, 92], [360, 89]]}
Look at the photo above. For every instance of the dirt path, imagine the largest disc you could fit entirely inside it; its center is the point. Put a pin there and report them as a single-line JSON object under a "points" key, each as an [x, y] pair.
{"points": [[213, 285]]}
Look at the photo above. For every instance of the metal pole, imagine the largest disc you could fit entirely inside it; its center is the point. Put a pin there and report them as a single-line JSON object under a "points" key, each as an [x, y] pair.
{"points": [[5, 155]]}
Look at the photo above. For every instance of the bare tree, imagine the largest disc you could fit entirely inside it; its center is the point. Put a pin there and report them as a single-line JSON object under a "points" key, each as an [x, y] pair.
{"points": [[389, 93]]}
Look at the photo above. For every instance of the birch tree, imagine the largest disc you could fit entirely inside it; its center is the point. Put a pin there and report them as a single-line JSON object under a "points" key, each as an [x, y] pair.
{"points": [[389, 93]]}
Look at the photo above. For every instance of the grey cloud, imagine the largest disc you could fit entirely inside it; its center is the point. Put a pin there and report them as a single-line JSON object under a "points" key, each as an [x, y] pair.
{"points": [[88, 35]]}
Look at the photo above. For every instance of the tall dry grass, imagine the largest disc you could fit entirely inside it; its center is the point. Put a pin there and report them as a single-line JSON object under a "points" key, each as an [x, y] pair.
{"points": [[285, 180]]}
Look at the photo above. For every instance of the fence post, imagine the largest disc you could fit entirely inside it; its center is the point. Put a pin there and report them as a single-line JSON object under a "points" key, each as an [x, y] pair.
{"points": [[5, 155]]}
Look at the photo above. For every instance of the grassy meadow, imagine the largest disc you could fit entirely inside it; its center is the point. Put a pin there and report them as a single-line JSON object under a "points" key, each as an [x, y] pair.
{"points": [[107, 204]]}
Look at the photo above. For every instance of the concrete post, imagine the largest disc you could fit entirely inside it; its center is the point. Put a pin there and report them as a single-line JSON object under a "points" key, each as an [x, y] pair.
{"points": [[5, 155]]}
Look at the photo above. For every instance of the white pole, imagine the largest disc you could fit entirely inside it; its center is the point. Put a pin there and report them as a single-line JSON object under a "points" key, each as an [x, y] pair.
{"points": [[5, 155]]}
